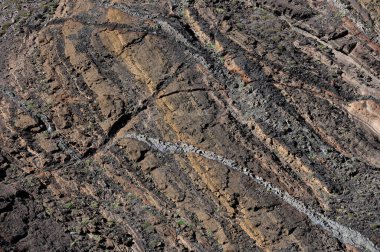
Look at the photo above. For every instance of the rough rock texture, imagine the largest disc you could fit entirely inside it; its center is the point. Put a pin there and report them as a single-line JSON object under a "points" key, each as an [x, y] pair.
{"points": [[174, 125]]}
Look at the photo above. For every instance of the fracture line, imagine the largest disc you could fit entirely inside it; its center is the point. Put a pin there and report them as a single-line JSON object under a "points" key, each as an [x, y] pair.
{"points": [[345, 234]]}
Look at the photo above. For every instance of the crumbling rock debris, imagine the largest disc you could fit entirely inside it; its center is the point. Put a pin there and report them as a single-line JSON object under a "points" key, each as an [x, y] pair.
{"points": [[244, 125]]}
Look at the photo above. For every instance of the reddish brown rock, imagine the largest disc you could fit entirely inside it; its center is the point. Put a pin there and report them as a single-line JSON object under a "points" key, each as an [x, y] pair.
{"points": [[189, 125]]}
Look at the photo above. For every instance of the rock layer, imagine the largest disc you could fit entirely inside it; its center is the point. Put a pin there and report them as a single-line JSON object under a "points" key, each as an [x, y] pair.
{"points": [[284, 95]]}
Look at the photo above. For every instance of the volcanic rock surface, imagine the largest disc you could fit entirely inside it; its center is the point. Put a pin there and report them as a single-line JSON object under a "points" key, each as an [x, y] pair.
{"points": [[189, 125]]}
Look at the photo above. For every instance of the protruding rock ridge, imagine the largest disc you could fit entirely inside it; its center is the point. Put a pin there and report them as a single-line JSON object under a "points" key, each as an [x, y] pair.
{"points": [[346, 235], [286, 95]]}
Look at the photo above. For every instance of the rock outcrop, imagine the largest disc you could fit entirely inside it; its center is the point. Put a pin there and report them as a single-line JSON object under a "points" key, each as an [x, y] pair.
{"points": [[175, 125]]}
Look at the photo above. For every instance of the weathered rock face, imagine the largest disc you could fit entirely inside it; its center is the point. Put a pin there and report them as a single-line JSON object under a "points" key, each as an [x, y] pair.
{"points": [[189, 125]]}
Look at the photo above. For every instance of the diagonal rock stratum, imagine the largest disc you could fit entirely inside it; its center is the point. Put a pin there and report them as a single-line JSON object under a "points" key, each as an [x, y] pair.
{"points": [[284, 96]]}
